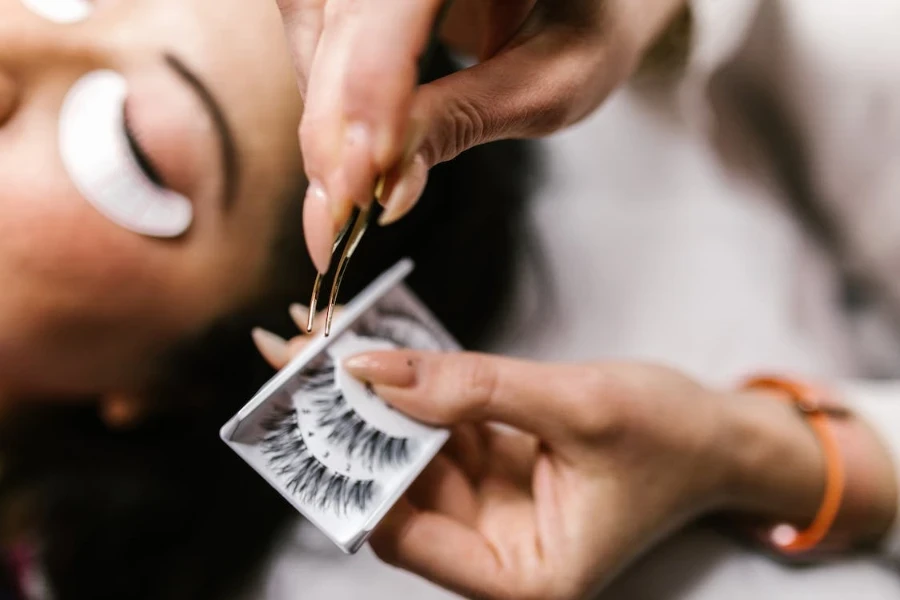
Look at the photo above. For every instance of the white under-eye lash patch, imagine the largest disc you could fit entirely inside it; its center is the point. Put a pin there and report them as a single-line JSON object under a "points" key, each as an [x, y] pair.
{"points": [[324, 440], [97, 156], [61, 11]]}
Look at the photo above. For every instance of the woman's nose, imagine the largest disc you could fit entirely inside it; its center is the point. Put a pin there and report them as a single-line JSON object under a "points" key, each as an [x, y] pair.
{"points": [[9, 96]]}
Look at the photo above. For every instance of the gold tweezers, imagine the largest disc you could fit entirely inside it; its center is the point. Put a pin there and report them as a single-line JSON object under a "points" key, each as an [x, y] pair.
{"points": [[357, 225]]}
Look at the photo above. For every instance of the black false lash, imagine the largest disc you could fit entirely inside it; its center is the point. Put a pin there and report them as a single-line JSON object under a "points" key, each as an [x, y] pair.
{"points": [[347, 429], [344, 428], [306, 477]]}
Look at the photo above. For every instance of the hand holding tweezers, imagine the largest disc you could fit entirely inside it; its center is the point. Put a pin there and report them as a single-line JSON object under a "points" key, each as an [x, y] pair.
{"points": [[358, 223]]}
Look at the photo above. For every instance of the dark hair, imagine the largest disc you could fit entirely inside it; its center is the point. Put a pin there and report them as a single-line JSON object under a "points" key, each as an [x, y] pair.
{"points": [[165, 510]]}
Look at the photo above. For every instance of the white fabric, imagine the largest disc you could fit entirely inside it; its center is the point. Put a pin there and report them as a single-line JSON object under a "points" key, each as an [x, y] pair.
{"points": [[658, 251]]}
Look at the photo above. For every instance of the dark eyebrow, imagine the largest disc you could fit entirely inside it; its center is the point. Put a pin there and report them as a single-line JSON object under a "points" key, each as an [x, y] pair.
{"points": [[220, 123]]}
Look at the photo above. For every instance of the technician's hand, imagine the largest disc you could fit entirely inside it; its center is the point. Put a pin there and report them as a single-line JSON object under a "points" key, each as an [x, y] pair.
{"points": [[613, 457], [603, 461], [545, 65]]}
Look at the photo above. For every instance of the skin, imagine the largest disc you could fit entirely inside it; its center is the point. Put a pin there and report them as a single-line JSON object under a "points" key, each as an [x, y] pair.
{"points": [[86, 304], [604, 460], [356, 65]]}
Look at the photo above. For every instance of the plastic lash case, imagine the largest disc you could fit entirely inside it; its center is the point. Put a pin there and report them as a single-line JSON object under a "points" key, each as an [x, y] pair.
{"points": [[325, 441]]}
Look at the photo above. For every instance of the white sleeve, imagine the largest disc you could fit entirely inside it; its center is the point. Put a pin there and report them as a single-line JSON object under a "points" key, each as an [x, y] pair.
{"points": [[879, 404]]}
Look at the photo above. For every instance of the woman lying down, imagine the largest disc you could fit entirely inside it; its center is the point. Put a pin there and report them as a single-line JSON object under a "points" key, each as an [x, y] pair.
{"points": [[161, 228], [150, 217]]}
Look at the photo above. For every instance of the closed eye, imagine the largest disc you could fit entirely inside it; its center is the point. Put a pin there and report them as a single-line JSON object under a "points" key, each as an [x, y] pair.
{"points": [[140, 156]]}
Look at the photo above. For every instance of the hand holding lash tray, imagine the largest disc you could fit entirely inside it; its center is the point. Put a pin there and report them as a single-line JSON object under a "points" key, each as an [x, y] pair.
{"points": [[329, 445]]}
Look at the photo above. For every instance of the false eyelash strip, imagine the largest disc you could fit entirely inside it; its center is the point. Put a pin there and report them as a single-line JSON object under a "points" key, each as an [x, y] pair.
{"points": [[345, 428], [324, 440], [358, 438], [305, 476]]}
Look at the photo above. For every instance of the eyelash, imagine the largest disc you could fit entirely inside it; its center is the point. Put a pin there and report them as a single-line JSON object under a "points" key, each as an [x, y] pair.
{"points": [[140, 156], [289, 457], [345, 428], [286, 449]]}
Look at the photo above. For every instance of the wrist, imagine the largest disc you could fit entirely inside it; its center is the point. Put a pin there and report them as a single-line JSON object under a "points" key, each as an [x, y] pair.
{"points": [[778, 469]]}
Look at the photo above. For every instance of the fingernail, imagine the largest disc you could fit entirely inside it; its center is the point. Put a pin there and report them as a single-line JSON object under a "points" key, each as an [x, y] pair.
{"points": [[357, 165], [300, 315], [273, 347], [318, 226], [414, 139], [394, 369], [405, 192]]}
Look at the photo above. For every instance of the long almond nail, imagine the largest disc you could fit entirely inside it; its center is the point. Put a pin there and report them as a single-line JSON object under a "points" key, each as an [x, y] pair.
{"points": [[414, 140], [318, 226], [273, 347], [405, 192], [300, 315], [394, 369]]}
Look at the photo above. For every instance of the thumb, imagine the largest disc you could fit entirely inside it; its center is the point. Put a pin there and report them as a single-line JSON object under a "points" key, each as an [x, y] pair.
{"points": [[533, 88]]}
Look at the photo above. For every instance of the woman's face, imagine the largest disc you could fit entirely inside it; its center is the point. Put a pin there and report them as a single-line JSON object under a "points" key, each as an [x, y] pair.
{"points": [[85, 296]]}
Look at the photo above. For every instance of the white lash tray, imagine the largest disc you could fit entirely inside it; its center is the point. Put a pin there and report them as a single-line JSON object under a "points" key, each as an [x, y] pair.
{"points": [[330, 447]]}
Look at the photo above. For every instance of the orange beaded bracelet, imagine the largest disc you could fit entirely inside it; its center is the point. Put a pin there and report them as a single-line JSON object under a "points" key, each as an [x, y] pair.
{"points": [[817, 407]]}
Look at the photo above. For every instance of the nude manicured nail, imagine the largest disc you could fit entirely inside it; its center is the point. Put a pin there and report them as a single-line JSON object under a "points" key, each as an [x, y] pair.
{"points": [[406, 192], [393, 369], [273, 347], [318, 226]]}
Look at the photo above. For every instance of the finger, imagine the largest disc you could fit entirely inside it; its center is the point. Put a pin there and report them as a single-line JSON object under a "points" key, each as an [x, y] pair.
{"points": [[386, 38], [361, 88], [440, 549], [498, 99], [450, 388], [277, 351], [480, 28], [274, 348], [404, 190], [444, 488], [320, 225], [300, 316], [327, 205], [513, 455], [467, 447], [303, 20], [503, 20]]}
